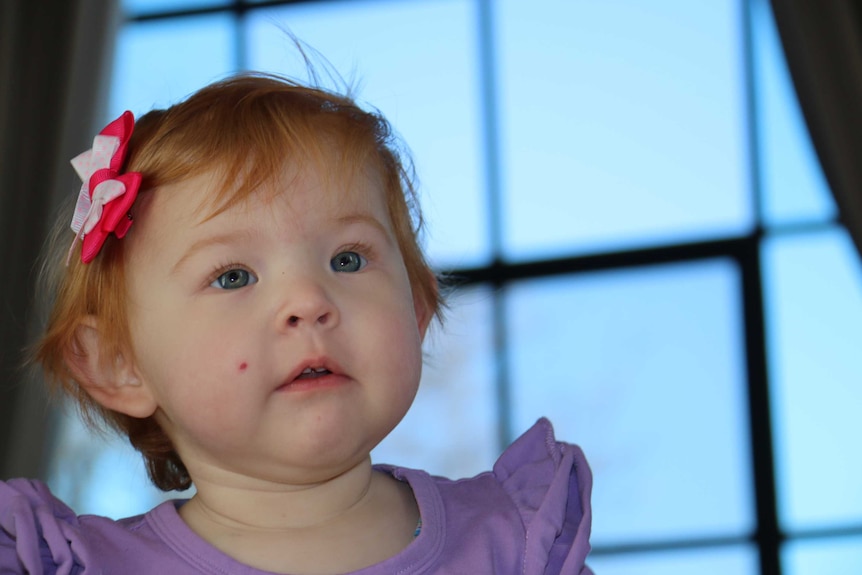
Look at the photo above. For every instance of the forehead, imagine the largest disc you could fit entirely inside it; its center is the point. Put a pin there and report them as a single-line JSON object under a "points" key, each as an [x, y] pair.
{"points": [[294, 195]]}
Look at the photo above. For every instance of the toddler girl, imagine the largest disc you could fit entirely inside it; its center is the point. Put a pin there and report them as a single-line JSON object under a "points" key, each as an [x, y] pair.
{"points": [[245, 299]]}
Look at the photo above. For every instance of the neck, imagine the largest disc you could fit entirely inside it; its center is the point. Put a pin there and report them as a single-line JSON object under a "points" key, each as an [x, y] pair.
{"points": [[241, 503], [339, 525]]}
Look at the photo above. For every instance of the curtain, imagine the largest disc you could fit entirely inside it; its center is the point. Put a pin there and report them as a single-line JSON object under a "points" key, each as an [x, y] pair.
{"points": [[822, 42], [53, 54]]}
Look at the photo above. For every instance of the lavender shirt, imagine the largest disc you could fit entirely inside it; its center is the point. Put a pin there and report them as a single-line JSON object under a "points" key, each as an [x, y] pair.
{"points": [[530, 515]]}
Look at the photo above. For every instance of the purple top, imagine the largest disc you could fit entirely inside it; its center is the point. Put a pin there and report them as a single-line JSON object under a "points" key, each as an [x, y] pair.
{"points": [[530, 515]]}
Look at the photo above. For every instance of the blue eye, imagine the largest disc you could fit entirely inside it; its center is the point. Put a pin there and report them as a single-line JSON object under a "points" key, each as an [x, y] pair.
{"points": [[234, 279], [347, 262]]}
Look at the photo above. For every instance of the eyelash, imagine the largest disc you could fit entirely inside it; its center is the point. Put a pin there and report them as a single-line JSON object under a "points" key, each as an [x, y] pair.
{"points": [[363, 249], [223, 268]]}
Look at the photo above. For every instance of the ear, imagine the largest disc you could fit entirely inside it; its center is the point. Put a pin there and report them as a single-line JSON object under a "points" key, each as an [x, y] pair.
{"points": [[424, 311], [113, 382]]}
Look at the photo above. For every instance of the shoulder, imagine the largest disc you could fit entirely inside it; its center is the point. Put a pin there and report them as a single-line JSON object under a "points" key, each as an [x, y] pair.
{"points": [[529, 515], [41, 534], [537, 467], [34, 526], [535, 472], [550, 484]]}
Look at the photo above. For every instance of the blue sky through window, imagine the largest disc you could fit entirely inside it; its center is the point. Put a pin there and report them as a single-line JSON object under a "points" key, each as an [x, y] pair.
{"points": [[622, 124]]}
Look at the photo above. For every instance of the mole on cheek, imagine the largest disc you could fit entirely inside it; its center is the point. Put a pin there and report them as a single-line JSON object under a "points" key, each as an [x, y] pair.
{"points": [[243, 366]]}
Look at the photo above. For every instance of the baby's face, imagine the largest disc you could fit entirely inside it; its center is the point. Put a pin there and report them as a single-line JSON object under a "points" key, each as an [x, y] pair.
{"points": [[279, 338]]}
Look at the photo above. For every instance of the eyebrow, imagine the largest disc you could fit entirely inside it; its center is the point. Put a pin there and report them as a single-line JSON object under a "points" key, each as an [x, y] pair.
{"points": [[365, 218], [232, 237], [224, 239]]}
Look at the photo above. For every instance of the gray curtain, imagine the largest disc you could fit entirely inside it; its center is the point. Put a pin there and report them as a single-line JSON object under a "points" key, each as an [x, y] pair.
{"points": [[53, 58], [822, 41]]}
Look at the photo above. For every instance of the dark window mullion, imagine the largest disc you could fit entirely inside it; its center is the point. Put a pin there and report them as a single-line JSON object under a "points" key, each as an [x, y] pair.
{"points": [[240, 52], [767, 535]]}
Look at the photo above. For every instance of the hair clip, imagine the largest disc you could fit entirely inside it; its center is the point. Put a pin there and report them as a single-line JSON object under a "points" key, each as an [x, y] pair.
{"points": [[106, 194]]}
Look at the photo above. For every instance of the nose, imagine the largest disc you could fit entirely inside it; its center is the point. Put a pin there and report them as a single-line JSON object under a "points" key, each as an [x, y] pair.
{"points": [[306, 304]]}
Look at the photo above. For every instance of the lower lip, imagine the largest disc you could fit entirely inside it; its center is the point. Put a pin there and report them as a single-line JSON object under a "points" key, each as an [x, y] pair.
{"points": [[327, 381]]}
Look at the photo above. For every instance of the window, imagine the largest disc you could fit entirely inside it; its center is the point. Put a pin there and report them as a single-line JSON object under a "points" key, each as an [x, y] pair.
{"points": [[648, 252]]}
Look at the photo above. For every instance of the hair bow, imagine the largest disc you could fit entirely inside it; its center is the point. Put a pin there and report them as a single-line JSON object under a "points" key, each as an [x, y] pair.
{"points": [[106, 194]]}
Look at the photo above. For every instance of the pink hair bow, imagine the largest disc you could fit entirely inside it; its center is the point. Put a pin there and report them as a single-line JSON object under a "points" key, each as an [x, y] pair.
{"points": [[106, 195]]}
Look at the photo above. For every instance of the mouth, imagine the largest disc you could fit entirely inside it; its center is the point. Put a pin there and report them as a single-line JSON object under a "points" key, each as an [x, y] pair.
{"points": [[313, 374]]}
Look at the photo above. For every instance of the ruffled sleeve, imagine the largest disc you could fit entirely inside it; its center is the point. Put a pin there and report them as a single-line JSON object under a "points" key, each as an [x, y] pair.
{"points": [[550, 483], [38, 533]]}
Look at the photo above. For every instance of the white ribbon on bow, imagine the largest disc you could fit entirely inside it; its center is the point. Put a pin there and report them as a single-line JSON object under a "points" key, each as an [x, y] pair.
{"points": [[88, 211]]}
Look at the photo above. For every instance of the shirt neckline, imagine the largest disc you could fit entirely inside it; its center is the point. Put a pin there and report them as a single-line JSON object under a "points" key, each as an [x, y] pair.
{"points": [[417, 557]]}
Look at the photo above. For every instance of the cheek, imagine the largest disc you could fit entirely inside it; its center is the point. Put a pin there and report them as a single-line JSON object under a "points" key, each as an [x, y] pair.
{"points": [[399, 333], [204, 398], [187, 364]]}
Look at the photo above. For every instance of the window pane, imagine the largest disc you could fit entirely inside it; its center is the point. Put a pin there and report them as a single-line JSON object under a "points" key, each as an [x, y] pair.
{"points": [[839, 556], [814, 313], [736, 560], [622, 123], [451, 428], [792, 181], [159, 63], [421, 73], [645, 370]]}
